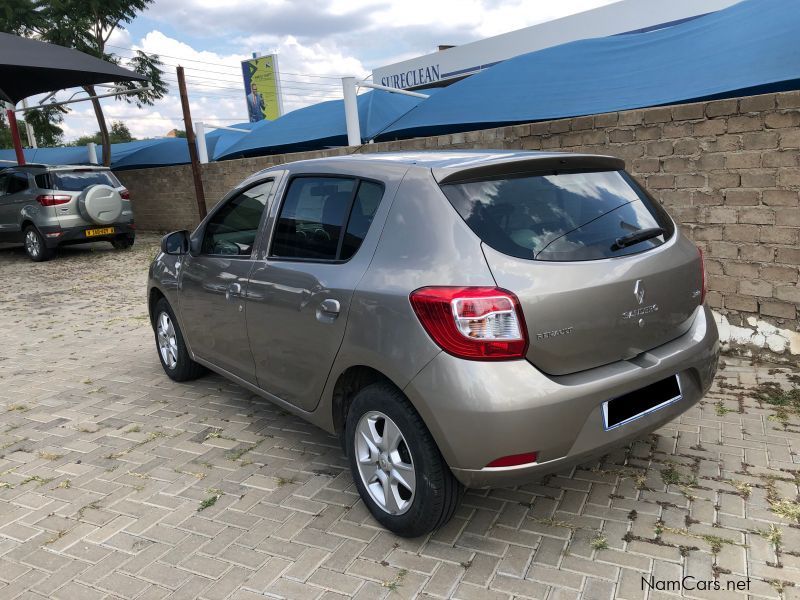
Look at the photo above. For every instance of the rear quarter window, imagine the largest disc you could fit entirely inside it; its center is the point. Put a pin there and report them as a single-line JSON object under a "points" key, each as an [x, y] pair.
{"points": [[560, 217], [76, 181]]}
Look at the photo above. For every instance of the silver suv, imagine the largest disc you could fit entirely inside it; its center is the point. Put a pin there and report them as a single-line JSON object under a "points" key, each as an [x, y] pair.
{"points": [[45, 206], [458, 319]]}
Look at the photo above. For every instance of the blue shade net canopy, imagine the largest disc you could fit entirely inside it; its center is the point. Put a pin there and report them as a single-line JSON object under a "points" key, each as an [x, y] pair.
{"points": [[750, 48], [322, 125]]}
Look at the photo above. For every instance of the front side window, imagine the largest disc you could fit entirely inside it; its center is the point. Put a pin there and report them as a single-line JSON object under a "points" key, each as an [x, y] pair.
{"points": [[325, 218], [233, 229], [562, 217]]}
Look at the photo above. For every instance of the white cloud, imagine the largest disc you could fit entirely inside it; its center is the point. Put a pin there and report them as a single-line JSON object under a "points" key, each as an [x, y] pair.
{"points": [[317, 42]]}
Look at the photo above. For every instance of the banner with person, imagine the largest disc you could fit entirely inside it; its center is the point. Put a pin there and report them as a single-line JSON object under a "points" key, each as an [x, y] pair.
{"points": [[262, 88]]}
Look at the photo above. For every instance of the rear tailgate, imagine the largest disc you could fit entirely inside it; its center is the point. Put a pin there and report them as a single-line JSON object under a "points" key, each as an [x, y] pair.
{"points": [[585, 314], [599, 269]]}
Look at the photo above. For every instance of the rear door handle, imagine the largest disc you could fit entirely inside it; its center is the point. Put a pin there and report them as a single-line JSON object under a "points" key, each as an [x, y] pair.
{"points": [[233, 290], [328, 310]]}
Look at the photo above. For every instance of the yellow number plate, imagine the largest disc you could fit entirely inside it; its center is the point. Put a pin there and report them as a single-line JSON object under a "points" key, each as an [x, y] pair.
{"points": [[96, 232]]}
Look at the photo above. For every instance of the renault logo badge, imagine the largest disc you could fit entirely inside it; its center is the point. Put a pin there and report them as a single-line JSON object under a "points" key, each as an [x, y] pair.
{"points": [[638, 291]]}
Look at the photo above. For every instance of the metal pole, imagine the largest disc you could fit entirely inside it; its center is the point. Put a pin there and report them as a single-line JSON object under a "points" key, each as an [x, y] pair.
{"points": [[91, 149], [29, 128], [12, 125], [187, 124], [385, 88], [202, 149], [351, 111]]}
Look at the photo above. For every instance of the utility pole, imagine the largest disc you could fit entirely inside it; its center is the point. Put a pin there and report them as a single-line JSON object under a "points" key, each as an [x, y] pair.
{"points": [[12, 125], [190, 139]]}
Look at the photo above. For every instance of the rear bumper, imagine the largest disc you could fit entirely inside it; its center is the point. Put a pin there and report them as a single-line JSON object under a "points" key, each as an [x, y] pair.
{"points": [[480, 411], [58, 236]]}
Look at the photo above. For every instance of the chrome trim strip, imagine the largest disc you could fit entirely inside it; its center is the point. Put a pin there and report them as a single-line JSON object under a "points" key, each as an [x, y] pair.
{"points": [[641, 414]]}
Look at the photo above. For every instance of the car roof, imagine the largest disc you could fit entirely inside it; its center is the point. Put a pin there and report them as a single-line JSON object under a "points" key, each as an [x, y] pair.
{"points": [[461, 165], [40, 167]]}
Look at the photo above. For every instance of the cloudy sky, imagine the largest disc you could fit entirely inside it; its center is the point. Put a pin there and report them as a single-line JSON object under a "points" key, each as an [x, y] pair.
{"points": [[317, 42]]}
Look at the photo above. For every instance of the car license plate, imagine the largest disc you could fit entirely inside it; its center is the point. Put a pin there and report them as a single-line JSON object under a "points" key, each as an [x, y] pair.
{"points": [[636, 404], [96, 232]]}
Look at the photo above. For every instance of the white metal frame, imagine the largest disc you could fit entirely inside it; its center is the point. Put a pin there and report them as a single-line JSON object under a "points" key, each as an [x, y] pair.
{"points": [[350, 93], [200, 137]]}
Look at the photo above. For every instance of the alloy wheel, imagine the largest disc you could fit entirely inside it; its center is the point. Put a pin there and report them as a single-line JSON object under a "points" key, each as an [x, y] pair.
{"points": [[32, 243], [167, 340], [385, 463]]}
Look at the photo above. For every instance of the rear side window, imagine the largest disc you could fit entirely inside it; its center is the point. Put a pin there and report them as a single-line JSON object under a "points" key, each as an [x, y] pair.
{"points": [[562, 217], [42, 181], [317, 210], [17, 182], [77, 181], [366, 204]]}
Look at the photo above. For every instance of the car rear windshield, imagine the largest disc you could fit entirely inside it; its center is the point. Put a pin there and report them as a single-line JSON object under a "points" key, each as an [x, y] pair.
{"points": [[562, 217], [77, 181]]}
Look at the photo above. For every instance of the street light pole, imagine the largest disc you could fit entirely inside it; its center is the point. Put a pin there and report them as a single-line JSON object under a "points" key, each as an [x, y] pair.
{"points": [[190, 140]]}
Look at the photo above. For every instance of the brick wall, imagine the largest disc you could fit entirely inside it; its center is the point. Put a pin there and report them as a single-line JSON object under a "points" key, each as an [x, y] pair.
{"points": [[728, 171]]}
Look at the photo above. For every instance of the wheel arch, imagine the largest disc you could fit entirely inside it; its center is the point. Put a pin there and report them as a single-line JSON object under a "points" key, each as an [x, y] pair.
{"points": [[348, 384]]}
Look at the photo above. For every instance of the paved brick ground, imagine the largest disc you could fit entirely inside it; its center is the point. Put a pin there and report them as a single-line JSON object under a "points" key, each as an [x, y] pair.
{"points": [[116, 482]]}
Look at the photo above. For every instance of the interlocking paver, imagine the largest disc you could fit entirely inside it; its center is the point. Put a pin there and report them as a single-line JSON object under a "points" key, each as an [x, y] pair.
{"points": [[104, 463]]}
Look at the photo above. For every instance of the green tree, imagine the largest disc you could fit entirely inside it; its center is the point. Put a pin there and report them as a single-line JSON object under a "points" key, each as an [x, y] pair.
{"points": [[87, 25], [118, 134]]}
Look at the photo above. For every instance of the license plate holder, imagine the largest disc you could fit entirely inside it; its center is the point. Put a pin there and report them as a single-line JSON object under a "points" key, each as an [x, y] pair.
{"points": [[99, 232], [634, 405]]}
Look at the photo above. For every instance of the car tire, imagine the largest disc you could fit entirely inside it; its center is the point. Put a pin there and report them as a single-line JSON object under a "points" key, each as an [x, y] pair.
{"points": [[122, 243], [35, 246], [171, 347], [374, 460]]}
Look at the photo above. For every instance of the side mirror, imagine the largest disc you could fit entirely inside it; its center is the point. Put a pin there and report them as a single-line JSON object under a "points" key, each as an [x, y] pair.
{"points": [[176, 242]]}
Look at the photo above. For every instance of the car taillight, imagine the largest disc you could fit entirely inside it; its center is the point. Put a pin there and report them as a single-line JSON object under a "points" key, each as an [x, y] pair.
{"points": [[476, 323], [703, 287], [53, 199], [125, 195], [514, 460]]}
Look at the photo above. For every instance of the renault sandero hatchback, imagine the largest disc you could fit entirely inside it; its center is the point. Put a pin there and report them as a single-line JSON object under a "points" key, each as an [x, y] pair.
{"points": [[457, 319]]}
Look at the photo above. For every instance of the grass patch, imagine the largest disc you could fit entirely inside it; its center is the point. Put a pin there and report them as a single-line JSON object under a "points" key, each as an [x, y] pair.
{"points": [[599, 542], [774, 534], [395, 583], [211, 500], [284, 480], [50, 456], [788, 509], [17, 407], [720, 409]]}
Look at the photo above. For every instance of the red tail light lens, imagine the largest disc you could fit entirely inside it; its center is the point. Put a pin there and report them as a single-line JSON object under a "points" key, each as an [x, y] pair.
{"points": [[514, 460], [53, 199], [703, 286], [125, 195], [476, 323]]}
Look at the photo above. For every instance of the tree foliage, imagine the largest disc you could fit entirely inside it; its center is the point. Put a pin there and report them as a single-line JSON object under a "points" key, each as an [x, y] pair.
{"points": [[45, 123], [118, 134], [87, 25]]}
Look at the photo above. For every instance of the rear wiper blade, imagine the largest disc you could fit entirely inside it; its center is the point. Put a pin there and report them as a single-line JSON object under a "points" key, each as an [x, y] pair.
{"points": [[636, 237]]}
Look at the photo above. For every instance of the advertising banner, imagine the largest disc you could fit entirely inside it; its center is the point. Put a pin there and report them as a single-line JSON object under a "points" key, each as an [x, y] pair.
{"points": [[262, 88]]}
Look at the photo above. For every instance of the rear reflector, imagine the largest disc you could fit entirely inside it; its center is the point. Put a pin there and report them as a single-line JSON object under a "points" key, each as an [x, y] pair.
{"points": [[514, 460], [476, 323], [53, 199]]}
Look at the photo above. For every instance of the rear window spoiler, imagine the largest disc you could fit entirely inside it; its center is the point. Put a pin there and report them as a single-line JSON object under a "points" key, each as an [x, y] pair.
{"points": [[471, 170]]}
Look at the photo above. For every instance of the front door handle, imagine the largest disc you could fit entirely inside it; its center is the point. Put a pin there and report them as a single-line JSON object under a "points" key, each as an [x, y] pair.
{"points": [[233, 290], [328, 310]]}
